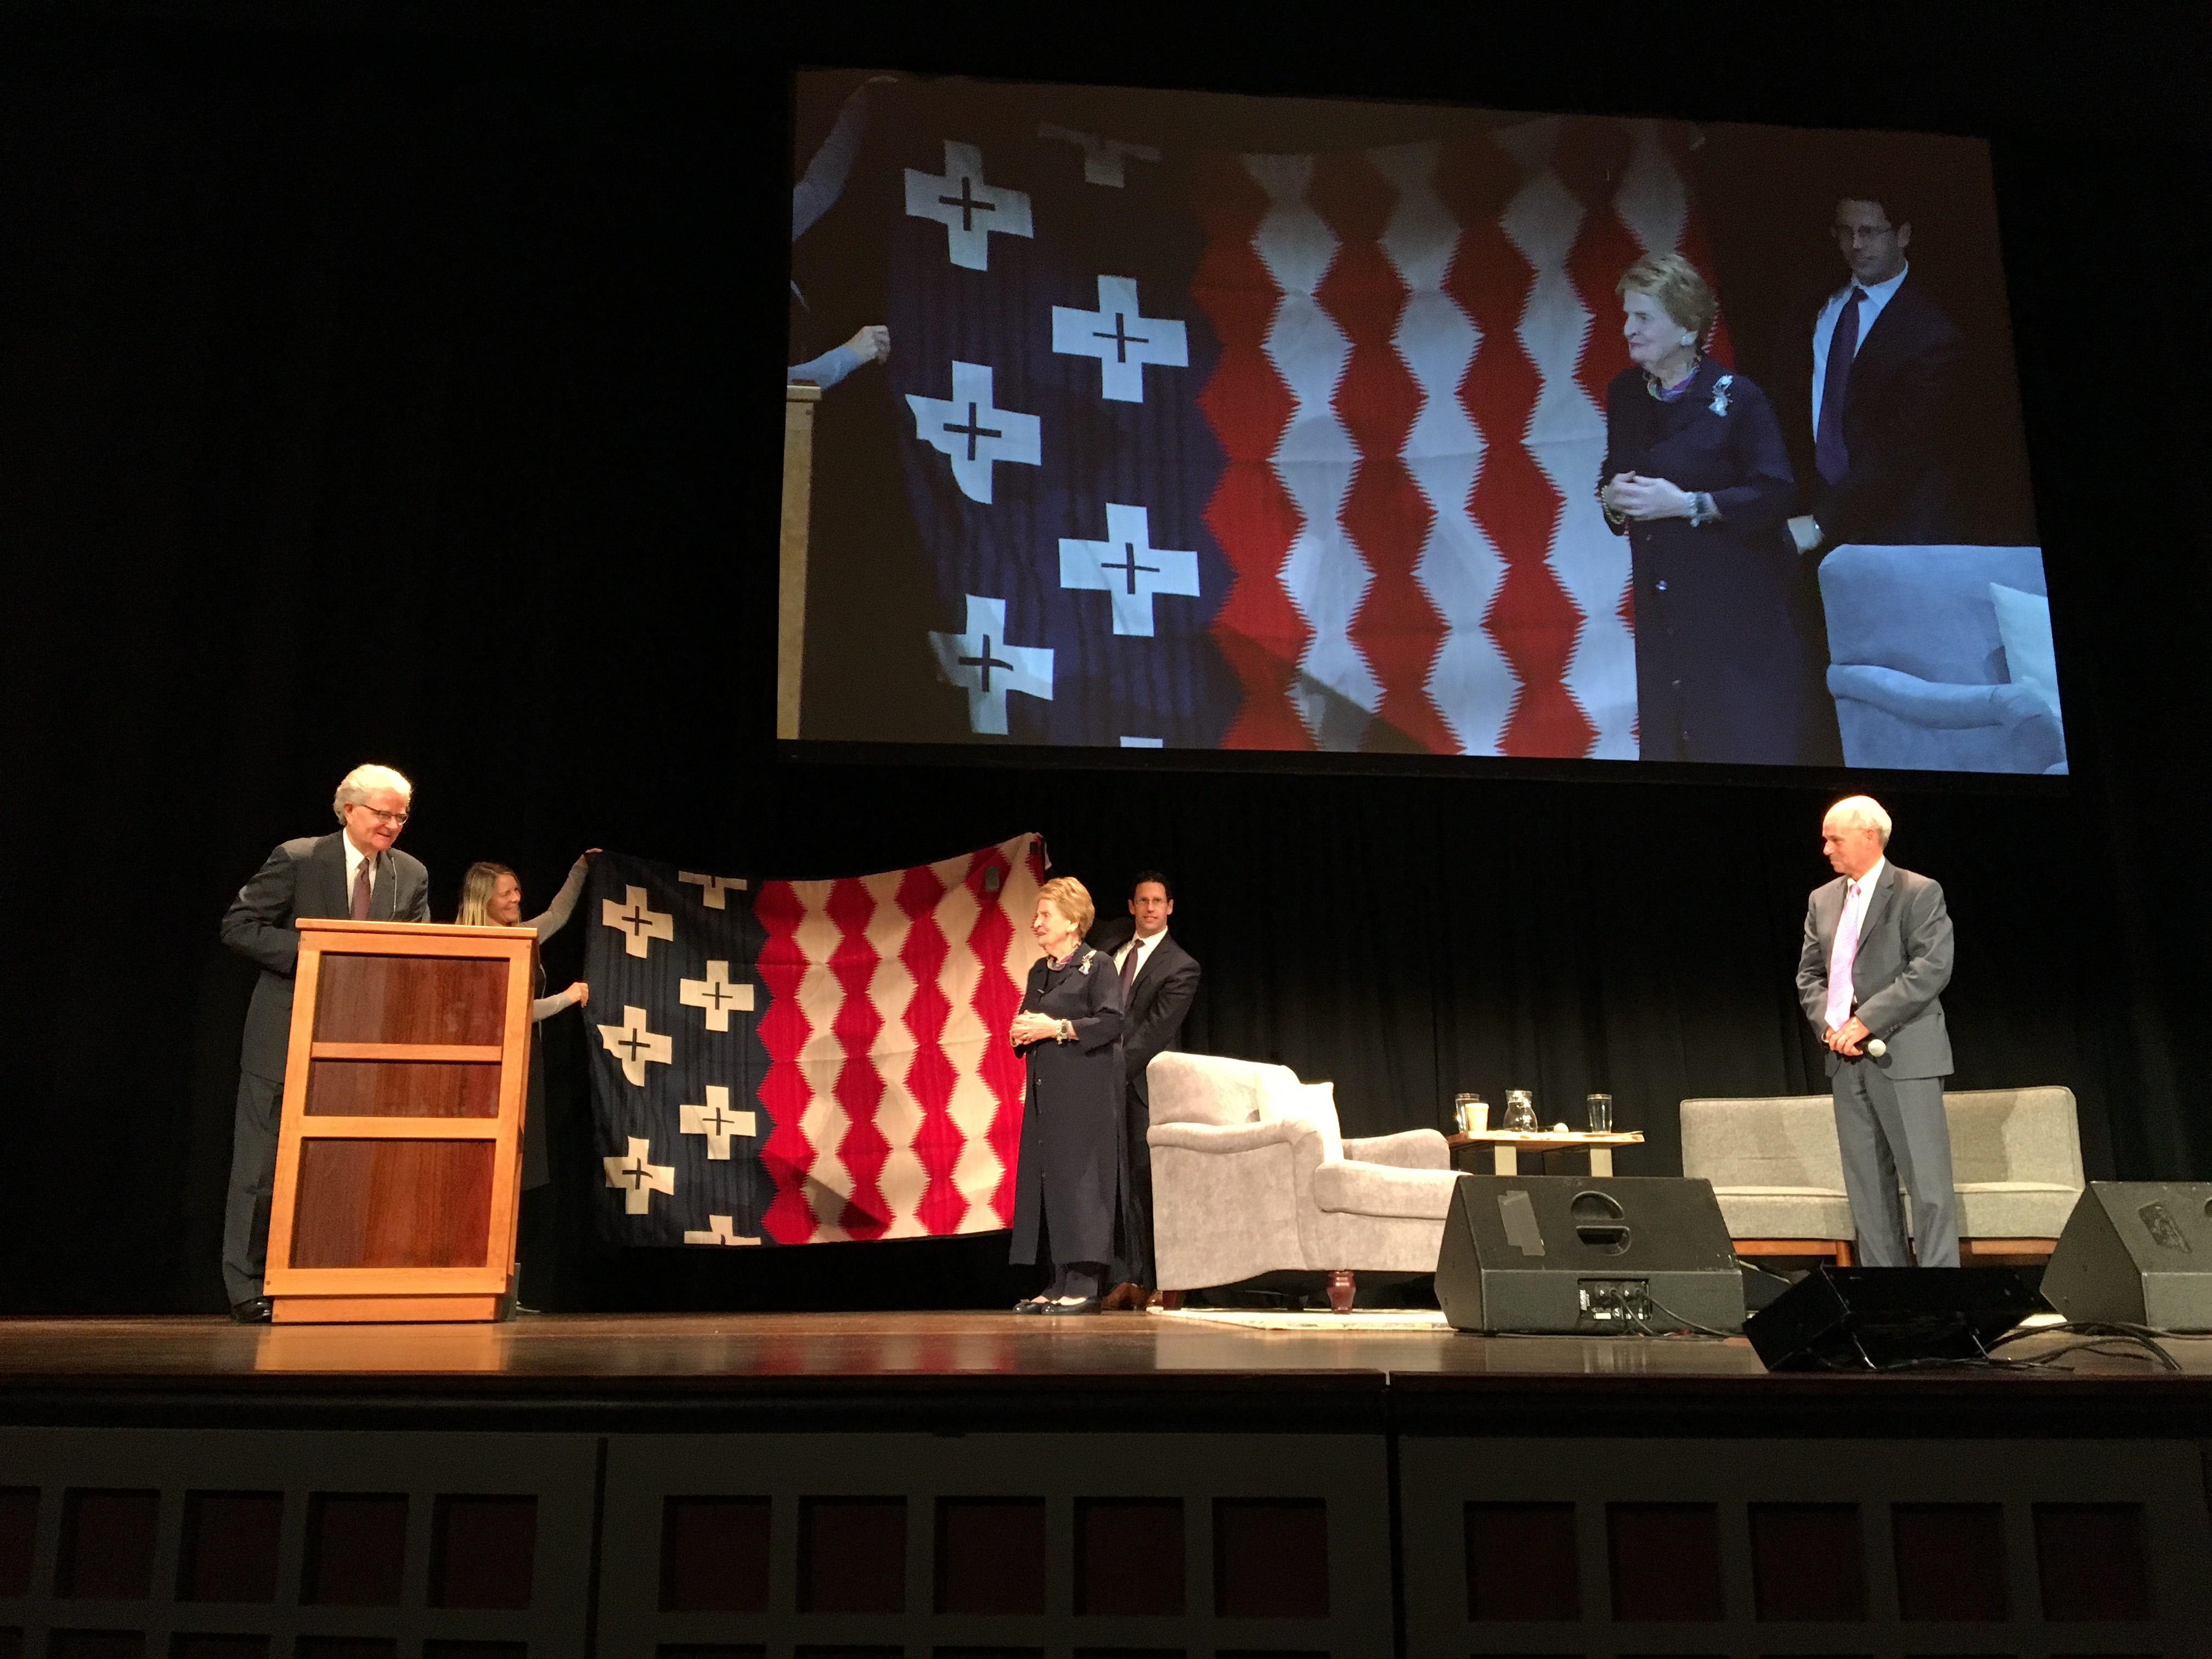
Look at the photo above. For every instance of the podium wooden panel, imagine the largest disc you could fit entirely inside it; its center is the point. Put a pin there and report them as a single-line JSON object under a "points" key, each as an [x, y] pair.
{"points": [[399, 1150]]}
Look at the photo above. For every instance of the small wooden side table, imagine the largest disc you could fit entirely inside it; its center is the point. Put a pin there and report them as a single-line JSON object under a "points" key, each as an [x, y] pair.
{"points": [[1506, 1147]]}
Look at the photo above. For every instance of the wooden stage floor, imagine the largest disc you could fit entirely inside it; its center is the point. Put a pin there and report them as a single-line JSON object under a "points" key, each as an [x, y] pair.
{"points": [[598, 1347], [994, 1366]]}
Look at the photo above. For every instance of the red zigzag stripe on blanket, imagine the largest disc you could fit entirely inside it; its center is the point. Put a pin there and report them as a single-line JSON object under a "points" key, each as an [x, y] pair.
{"points": [[857, 1181]]}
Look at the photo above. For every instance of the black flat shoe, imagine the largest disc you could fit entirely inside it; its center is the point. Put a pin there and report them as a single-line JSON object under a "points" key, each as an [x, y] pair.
{"points": [[1028, 1307], [254, 1310], [1088, 1305]]}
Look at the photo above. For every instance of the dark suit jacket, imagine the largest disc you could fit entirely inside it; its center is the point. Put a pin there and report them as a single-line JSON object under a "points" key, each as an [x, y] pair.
{"points": [[1162, 996], [1897, 419], [305, 878], [1898, 974]]}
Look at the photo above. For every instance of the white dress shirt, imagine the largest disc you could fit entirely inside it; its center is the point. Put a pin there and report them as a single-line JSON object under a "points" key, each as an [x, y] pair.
{"points": [[1858, 895], [1878, 295], [1145, 947], [353, 856]]}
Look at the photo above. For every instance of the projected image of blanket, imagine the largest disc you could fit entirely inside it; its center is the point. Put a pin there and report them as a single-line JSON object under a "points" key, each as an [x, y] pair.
{"points": [[792, 1062], [1275, 451]]}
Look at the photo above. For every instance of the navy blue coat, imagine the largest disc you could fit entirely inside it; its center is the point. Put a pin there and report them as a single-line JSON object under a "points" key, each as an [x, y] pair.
{"points": [[1067, 1187], [1728, 646]]}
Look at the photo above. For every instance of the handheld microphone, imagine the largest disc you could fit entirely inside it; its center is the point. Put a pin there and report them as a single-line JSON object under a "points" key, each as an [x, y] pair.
{"points": [[1877, 1047]]}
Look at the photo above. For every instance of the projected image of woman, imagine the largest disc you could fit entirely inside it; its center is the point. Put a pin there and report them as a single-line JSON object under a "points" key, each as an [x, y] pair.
{"points": [[1698, 477], [1067, 1187]]}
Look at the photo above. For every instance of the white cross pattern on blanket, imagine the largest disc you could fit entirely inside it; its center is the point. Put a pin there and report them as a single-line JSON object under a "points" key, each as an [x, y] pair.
{"points": [[983, 663], [639, 1177], [640, 923], [719, 1230], [1120, 339], [716, 995], [716, 1122], [968, 209], [716, 888], [1101, 157], [972, 434], [1128, 568], [634, 1046]]}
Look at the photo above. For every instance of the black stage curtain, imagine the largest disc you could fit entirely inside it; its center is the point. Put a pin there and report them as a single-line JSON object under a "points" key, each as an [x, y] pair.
{"points": [[398, 386]]}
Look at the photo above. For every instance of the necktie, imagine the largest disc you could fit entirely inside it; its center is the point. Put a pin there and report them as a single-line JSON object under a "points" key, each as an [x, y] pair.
{"points": [[1129, 969], [1829, 453], [361, 889], [1840, 958]]}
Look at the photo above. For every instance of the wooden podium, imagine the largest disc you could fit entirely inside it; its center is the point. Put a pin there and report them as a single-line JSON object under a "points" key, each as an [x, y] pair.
{"points": [[398, 1149]]}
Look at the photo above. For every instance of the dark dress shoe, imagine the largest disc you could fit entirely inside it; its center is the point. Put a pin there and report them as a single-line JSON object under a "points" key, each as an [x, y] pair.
{"points": [[1028, 1307], [1088, 1305], [255, 1311]]}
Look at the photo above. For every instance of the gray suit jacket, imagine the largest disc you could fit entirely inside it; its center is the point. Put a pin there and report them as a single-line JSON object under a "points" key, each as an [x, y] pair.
{"points": [[305, 878], [1903, 964]]}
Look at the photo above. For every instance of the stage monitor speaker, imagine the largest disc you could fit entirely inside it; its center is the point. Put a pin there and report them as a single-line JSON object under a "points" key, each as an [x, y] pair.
{"points": [[1873, 1318], [1587, 1257], [2136, 1253]]}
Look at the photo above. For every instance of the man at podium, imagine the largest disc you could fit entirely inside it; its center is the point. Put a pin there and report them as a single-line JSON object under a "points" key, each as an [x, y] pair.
{"points": [[353, 872]]}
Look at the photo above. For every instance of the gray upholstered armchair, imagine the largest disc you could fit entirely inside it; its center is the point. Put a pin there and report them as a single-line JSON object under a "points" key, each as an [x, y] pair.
{"points": [[1250, 1175], [1940, 657]]}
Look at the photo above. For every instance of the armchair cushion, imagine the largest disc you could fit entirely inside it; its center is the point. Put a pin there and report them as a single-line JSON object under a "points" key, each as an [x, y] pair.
{"points": [[1933, 703], [1785, 1213], [1379, 1189], [2024, 626], [1409, 1149], [1225, 1137], [1937, 657], [2014, 1209]]}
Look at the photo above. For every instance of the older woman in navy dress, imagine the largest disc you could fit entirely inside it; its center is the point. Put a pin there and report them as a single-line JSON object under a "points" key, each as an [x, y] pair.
{"points": [[1067, 1187], [1698, 477]]}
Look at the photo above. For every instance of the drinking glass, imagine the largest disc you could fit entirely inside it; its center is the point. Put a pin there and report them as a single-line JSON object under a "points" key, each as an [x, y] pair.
{"points": [[1471, 1113], [1521, 1111], [1600, 1115]]}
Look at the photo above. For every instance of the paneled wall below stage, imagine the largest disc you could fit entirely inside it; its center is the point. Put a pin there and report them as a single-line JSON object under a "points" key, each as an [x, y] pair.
{"points": [[295, 1545]]}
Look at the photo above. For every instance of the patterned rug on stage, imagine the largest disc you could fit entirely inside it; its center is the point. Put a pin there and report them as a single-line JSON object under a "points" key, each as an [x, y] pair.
{"points": [[1360, 1322]]}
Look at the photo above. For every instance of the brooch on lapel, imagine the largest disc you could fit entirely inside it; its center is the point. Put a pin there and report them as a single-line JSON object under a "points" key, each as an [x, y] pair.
{"points": [[1720, 402], [1084, 967]]}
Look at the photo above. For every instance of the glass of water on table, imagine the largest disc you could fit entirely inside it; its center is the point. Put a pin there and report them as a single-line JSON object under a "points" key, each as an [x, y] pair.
{"points": [[1600, 1113]]}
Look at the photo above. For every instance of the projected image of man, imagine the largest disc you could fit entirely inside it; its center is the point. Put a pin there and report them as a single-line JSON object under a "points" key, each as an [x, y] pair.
{"points": [[1875, 372], [1876, 957]]}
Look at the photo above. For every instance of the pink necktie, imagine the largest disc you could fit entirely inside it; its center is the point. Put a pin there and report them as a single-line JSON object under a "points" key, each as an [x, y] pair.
{"points": [[1840, 960], [361, 889]]}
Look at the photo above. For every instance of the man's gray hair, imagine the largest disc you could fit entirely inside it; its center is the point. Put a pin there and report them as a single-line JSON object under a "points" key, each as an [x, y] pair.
{"points": [[358, 785], [1861, 813]]}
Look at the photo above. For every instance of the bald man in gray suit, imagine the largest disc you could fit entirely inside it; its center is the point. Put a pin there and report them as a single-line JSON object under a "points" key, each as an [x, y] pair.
{"points": [[1877, 955]]}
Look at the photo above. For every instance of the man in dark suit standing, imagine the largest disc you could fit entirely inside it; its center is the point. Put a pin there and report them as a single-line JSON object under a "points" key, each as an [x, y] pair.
{"points": [[1159, 978], [1876, 957], [352, 872], [1867, 384]]}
